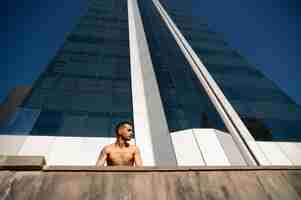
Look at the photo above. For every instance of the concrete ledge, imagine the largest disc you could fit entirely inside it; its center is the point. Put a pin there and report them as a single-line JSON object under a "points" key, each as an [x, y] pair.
{"points": [[21, 162], [149, 183], [167, 169], [27, 163]]}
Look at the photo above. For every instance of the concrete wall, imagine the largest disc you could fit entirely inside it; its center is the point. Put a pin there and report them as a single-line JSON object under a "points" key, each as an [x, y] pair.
{"points": [[148, 184]]}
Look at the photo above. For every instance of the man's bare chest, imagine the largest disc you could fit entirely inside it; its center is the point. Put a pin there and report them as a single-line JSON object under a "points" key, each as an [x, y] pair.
{"points": [[121, 156]]}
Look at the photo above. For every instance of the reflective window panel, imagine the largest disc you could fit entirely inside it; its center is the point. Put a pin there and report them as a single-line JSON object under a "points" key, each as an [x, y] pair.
{"points": [[186, 104], [86, 89], [265, 109]]}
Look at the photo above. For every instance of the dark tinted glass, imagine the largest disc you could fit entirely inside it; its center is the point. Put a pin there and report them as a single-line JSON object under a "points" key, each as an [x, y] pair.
{"points": [[186, 104], [86, 88], [266, 110]]}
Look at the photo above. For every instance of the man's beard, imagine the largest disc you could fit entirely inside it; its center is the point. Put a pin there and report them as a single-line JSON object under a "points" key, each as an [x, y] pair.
{"points": [[127, 139]]}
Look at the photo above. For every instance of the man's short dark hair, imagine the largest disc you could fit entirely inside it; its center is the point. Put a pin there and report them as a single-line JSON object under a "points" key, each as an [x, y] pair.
{"points": [[121, 124]]}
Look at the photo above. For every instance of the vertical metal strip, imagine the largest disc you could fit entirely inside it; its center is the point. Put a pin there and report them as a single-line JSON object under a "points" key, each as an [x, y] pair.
{"points": [[239, 132]]}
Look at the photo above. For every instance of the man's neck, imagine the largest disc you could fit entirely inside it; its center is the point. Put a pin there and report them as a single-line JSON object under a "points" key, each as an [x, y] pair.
{"points": [[121, 143]]}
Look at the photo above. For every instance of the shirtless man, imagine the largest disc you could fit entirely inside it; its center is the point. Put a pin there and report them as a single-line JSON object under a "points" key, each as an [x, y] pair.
{"points": [[121, 152]]}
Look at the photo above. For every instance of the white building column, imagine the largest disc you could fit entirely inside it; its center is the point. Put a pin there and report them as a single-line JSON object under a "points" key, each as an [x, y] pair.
{"points": [[151, 130]]}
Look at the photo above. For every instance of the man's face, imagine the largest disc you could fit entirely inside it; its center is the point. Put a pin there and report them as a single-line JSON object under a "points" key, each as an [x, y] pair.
{"points": [[126, 132]]}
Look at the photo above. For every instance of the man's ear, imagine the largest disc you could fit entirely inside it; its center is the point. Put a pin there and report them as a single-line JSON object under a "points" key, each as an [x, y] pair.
{"points": [[118, 131]]}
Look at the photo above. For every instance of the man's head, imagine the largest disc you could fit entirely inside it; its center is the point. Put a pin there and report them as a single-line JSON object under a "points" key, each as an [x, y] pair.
{"points": [[124, 130]]}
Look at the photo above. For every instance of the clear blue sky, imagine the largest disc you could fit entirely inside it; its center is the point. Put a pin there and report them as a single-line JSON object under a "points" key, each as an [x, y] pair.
{"points": [[266, 32]]}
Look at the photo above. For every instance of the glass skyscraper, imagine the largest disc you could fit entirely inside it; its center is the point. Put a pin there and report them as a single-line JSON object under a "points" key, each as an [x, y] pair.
{"points": [[86, 89], [195, 80], [268, 112]]}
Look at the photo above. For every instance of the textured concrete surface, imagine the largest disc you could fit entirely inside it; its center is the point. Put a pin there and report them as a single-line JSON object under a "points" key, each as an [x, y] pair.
{"points": [[21, 162], [124, 183]]}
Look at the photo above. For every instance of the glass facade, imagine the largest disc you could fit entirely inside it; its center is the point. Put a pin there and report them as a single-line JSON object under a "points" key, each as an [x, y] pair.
{"points": [[86, 89], [267, 111], [185, 102]]}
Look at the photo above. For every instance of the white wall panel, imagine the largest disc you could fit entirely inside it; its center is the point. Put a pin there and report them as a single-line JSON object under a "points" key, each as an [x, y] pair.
{"points": [[298, 145], [37, 146], [56, 150], [65, 151], [11, 144], [90, 149], [274, 154], [259, 154], [232, 152], [291, 150], [211, 149], [186, 149]]}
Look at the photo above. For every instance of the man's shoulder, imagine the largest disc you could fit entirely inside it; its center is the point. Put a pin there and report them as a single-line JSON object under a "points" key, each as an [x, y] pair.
{"points": [[108, 148], [135, 147]]}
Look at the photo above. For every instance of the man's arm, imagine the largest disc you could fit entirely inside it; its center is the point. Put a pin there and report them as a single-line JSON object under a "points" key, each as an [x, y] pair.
{"points": [[102, 157], [137, 158]]}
